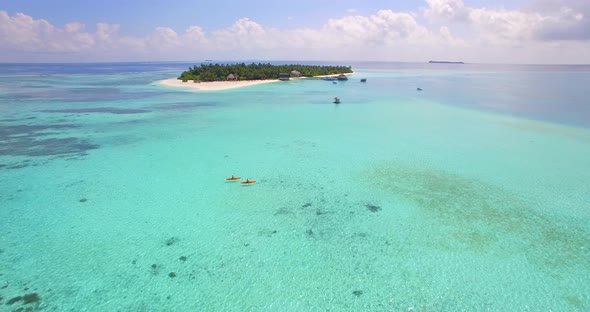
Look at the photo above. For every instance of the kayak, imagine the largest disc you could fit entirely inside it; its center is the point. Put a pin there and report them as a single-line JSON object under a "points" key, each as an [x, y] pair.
{"points": [[249, 182], [232, 178]]}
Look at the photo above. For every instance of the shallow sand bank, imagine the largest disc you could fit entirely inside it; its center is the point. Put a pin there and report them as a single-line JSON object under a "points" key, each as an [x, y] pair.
{"points": [[211, 85]]}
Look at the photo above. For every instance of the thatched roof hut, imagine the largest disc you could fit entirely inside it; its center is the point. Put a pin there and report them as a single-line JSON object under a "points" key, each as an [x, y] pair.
{"points": [[231, 77], [295, 73]]}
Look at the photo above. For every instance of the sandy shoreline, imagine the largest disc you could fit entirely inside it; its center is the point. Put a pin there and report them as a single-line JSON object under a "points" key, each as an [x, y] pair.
{"points": [[211, 85], [220, 85]]}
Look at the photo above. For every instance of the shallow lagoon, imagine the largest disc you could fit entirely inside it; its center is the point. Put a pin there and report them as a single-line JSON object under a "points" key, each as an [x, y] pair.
{"points": [[471, 194]]}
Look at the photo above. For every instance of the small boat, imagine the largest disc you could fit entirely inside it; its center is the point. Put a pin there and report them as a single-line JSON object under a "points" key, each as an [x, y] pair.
{"points": [[364, 80], [418, 89], [336, 100], [330, 78], [248, 181], [342, 77], [334, 82], [232, 178]]}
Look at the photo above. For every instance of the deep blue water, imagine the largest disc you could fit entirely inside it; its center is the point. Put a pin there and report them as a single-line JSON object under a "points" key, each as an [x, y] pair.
{"points": [[40, 69]]}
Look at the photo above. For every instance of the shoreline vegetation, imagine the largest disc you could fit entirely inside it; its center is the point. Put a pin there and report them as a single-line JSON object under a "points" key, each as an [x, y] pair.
{"points": [[260, 71], [214, 77]]}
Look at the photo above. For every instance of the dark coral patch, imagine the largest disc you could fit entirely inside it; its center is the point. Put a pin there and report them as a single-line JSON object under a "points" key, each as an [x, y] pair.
{"points": [[31, 140], [373, 208], [14, 300], [155, 269], [320, 212], [18, 166], [171, 241], [183, 258], [24, 130], [357, 293], [183, 106], [83, 200], [267, 233], [110, 110], [31, 298], [172, 274]]}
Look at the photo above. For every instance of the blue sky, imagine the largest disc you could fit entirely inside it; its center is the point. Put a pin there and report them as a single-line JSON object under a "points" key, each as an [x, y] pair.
{"points": [[140, 17], [530, 31]]}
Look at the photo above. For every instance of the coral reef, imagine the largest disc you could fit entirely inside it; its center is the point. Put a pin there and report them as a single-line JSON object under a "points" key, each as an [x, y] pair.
{"points": [[31, 298], [373, 208], [171, 241]]}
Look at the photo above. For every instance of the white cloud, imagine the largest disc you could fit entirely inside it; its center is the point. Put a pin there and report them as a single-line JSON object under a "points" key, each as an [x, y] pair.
{"points": [[547, 20], [446, 10], [245, 34], [485, 35], [508, 27], [23, 33], [570, 22], [386, 27]]}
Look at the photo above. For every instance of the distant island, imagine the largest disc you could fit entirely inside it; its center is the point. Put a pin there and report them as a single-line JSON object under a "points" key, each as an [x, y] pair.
{"points": [[445, 62], [237, 72]]}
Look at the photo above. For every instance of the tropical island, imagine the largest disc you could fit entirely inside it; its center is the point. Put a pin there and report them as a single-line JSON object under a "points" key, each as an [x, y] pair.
{"points": [[221, 72], [211, 77]]}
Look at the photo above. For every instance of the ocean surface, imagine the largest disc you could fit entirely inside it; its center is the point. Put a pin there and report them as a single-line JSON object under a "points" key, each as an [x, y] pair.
{"points": [[470, 195]]}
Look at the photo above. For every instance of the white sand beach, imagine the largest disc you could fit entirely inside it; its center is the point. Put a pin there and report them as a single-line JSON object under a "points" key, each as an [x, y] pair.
{"points": [[223, 85], [212, 85]]}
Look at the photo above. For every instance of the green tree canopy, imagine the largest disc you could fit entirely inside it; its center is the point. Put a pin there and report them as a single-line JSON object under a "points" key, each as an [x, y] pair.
{"points": [[219, 72]]}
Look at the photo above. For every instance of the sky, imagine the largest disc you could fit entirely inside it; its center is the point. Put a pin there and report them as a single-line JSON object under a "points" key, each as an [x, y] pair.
{"points": [[475, 31]]}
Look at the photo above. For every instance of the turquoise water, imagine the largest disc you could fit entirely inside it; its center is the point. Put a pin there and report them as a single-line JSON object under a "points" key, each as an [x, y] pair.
{"points": [[470, 195]]}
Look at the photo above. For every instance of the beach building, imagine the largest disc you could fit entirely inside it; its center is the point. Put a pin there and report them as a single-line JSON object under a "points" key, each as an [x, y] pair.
{"points": [[284, 76], [231, 77], [295, 73]]}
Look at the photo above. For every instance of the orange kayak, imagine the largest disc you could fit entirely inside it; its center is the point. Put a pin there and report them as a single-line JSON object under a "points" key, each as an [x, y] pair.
{"points": [[249, 182], [232, 178]]}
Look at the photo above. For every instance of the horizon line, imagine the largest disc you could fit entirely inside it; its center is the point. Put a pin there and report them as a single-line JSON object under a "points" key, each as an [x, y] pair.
{"points": [[277, 60]]}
